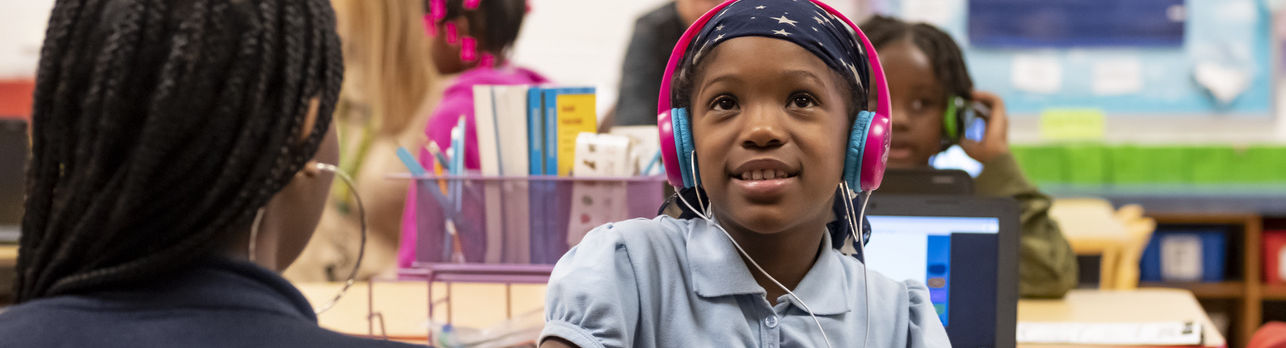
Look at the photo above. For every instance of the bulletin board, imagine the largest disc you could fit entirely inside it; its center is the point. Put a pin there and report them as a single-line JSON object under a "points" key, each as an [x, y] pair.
{"points": [[1225, 44]]}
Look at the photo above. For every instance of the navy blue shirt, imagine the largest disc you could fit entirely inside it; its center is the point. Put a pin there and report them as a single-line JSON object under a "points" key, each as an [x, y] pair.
{"points": [[217, 303]]}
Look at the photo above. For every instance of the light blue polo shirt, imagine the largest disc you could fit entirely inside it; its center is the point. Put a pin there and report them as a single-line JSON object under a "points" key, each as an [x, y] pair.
{"points": [[668, 282]]}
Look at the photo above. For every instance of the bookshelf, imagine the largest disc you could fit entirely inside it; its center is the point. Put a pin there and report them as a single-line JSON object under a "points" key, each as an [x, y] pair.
{"points": [[1244, 285]]}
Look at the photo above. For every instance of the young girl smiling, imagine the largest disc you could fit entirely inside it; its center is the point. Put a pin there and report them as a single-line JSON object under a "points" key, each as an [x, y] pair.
{"points": [[771, 127]]}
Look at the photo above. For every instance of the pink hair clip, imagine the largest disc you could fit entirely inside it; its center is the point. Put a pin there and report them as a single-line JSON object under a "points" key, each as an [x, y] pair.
{"points": [[468, 49], [439, 9], [487, 60], [471, 4], [452, 34]]}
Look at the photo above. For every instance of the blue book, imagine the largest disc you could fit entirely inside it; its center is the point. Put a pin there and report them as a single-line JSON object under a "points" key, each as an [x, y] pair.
{"points": [[568, 112], [535, 131], [538, 190], [551, 131]]}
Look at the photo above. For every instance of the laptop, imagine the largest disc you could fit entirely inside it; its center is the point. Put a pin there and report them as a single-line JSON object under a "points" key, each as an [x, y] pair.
{"points": [[925, 181], [13, 164], [964, 248]]}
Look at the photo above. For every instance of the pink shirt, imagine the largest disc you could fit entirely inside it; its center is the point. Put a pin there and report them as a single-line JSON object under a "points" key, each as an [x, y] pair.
{"points": [[457, 101]]}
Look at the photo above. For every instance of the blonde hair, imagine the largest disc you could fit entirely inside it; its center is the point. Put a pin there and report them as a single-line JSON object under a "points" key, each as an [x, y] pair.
{"points": [[389, 70]]}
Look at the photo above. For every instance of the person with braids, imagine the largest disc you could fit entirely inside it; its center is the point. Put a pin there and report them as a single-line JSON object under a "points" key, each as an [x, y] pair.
{"points": [[179, 159], [926, 71], [470, 39]]}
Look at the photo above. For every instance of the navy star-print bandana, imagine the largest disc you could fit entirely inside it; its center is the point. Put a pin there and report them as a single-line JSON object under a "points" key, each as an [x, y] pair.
{"points": [[799, 21]]}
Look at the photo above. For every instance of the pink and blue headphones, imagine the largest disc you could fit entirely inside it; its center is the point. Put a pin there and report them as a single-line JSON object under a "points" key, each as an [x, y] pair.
{"points": [[868, 141]]}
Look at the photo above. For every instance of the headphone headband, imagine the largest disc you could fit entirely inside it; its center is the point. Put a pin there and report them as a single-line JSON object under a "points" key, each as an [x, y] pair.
{"points": [[663, 104]]}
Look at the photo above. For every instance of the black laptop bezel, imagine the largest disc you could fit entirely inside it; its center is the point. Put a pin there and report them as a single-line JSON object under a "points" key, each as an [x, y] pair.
{"points": [[1006, 261]]}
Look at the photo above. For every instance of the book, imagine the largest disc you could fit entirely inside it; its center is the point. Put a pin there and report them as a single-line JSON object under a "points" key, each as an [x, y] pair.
{"points": [[510, 105], [538, 190], [568, 112], [536, 131], [597, 203], [485, 116]]}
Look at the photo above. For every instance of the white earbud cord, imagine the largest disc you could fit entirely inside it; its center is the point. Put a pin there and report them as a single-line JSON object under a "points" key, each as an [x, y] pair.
{"points": [[708, 216], [861, 247]]}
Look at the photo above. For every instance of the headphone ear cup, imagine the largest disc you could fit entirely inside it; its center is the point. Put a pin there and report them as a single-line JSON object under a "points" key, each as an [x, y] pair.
{"points": [[951, 121], [856, 148], [669, 148], [953, 126], [683, 140]]}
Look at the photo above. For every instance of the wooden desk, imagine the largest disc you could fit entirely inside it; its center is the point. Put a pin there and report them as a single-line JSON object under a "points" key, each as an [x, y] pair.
{"points": [[404, 306], [1120, 306]]}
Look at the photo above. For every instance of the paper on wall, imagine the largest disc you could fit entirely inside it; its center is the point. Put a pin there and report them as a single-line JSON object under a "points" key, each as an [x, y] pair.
{"points": [[1037, 74], [936, 12], [1224, 83], [1118, 76]]}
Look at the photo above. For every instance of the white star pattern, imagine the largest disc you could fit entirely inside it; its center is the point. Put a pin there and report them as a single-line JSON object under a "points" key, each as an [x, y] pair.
{"points": [[819, 20], [719, 28], [784, 20], [824, 16], [781, 32], [760, 7], [720, 37]]}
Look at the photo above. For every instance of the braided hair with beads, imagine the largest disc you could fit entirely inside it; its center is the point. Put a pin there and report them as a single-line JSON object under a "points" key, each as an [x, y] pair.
{"points": [[160, 127]]}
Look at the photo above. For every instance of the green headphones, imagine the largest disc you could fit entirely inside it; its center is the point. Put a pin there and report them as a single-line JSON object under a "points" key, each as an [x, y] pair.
{"points": [[952, 122]]}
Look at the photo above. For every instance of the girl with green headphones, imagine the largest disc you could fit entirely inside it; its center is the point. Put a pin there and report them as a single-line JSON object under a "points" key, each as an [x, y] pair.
{"points": [[933, 97]]}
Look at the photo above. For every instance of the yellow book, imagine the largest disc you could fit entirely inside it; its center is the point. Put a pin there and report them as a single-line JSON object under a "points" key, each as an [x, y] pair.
{"points": [[568, 112]]}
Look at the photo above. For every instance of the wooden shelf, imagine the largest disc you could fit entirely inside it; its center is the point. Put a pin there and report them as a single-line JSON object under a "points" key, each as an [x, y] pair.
{"points": [[1273, 291], [1220, 290], [1204, 219]]}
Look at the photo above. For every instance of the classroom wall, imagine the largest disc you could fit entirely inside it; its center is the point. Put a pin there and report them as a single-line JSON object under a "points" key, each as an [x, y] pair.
{"points": [[583, 42], [22, 30], [1167, 105]]}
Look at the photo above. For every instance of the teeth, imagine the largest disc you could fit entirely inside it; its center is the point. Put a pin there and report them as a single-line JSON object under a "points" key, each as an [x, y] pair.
{"points": [[764, 174]]}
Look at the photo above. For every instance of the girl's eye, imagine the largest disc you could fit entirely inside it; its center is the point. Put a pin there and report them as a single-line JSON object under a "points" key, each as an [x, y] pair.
{"points": [[724, 103], [918, 104], [802, 101]]}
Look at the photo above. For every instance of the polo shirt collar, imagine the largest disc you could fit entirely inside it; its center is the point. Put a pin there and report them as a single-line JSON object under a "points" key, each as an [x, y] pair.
{"points": [[718, 270]]}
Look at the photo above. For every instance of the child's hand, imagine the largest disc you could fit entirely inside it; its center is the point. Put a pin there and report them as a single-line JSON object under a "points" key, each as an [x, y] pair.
{"points": [[996, 140]]}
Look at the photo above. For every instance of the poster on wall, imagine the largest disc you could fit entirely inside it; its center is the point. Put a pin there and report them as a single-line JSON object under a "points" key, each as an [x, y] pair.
{"points": [[1076, 23]]}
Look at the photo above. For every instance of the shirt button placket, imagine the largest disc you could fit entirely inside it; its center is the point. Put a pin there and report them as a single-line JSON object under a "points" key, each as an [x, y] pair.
{"points": [[774, 332]]}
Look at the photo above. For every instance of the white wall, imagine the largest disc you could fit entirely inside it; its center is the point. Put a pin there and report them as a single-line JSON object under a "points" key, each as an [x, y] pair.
{"points": [[22, 30], [582, 42], [579, 42]]}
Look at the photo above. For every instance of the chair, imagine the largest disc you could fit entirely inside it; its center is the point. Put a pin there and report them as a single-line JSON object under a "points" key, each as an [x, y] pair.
{"points": [[1093, 227], [1271, 335]]}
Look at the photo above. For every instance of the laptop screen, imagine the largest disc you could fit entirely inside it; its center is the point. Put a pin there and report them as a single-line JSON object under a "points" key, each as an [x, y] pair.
{"points": [[956, 257]]}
